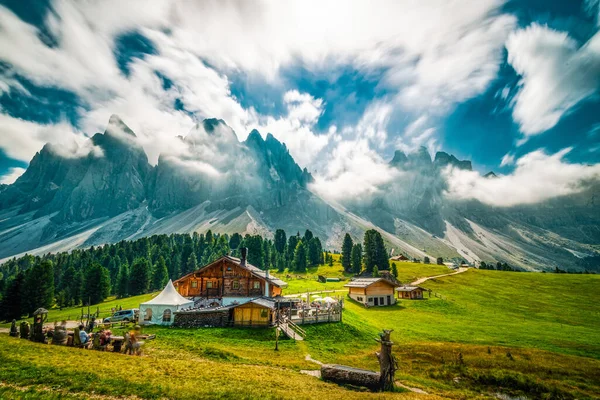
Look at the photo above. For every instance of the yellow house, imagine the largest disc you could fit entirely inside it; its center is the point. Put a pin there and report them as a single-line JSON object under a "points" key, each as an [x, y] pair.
{"points": [[372, 291]]}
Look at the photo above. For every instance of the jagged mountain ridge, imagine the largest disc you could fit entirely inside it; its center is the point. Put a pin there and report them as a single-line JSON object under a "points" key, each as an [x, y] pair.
{"points": [[255, 186]]}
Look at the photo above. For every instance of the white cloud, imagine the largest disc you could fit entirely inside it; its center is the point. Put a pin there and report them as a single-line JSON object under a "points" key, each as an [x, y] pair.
{"points": [[353, 172], [507, 159], [12, 175], [556, 75], [21, 139], [295, 129], [537, 177]]}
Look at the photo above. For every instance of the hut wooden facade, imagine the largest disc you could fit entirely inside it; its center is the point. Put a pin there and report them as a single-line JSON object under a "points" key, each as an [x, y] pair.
{"points": [[226, 281], [410, 292], [372, 291]]}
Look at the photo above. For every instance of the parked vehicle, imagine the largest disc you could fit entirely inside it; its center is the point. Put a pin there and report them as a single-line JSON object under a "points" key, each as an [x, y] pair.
{"points": [[123, 316]]}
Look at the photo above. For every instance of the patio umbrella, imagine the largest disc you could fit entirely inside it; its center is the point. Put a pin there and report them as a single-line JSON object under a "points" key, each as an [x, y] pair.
{"points": [[329, 300]]}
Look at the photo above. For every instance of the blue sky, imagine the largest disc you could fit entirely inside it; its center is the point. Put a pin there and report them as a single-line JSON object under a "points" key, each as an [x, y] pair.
{"points": [[491, 81]]}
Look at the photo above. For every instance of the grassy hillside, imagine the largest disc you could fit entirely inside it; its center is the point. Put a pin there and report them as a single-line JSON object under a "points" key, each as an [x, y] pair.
{"points": [[299, 283], [494, 332]]}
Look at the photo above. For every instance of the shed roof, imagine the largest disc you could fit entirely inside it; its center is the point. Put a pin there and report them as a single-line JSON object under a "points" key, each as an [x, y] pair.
{"points": [[365, 282], [408, 288]]}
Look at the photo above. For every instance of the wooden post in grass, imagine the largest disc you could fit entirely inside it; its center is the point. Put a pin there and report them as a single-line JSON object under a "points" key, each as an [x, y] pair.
{"points": [[387, 362]]}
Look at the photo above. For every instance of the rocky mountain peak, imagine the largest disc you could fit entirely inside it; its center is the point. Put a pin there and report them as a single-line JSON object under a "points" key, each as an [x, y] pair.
{"points": [[399, 158], [443, 159]]}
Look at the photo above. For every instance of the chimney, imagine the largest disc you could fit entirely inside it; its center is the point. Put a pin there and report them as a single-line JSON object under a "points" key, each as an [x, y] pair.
{"points": [[244, 254], [267, 283]]}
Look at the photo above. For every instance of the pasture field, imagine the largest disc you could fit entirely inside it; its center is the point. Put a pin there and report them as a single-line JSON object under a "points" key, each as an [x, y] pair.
{"points": [[519, 334]]}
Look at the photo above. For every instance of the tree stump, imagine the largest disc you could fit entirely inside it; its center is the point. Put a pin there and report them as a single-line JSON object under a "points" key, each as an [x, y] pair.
{"points": [[387, 362]]}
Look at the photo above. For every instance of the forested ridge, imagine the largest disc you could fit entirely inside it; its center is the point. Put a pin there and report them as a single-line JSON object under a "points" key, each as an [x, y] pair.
{"points": [[126, 268]]}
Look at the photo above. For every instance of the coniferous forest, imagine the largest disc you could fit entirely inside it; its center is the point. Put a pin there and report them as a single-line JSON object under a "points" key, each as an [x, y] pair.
{"points": [[128, 268]]}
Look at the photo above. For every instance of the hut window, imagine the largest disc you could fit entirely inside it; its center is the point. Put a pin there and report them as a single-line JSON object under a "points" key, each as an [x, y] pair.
{"points": [[209, 285], [256, 285], [148, 315], [194, 284], [236, 284], [263, 313], [228, 268], [167, 315]]}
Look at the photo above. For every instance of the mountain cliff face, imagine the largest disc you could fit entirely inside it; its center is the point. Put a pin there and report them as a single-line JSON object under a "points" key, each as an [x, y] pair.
{"points": [[110, 192]]}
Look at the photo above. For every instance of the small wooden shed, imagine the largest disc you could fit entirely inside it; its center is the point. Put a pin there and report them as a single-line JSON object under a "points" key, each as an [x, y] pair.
{"points": [[410, 292], [257, 312]]}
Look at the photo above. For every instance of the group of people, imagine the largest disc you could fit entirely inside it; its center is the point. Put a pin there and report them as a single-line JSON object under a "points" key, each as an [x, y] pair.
{"points": [[104, 337]]}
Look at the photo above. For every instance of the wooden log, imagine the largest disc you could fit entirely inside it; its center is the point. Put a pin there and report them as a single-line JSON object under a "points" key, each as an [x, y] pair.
{"points": [[344, 375]]}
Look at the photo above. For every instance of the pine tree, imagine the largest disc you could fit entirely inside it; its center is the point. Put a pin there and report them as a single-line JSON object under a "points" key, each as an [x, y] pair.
{"points": [[122, 289], [192, 264], [300, 257], [375, 272], [280, 241], [394, 270], [161, 275], [308, 235], [76, 287], [347, 253], [96, 285], [255, 250], [280, 262], [375, 253], [313, 253], [139, 276], [39, 287], [356, 258], [426, 260], [234, 242], [10, 307]]}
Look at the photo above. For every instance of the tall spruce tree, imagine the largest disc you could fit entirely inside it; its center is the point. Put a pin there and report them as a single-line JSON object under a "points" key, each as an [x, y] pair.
{"points": [[96, 285], [161, 275], [347, 253], [300, 257], [122, 289], [139, 276], [10, 307], [357, 258], [313, 256], [375, 253], [280, 240]]}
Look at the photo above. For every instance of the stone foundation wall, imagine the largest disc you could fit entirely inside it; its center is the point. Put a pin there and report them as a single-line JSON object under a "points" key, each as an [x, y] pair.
{"points": [[194, 319]]}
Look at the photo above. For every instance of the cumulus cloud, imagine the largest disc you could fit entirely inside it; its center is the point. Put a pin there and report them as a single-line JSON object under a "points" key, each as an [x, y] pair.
{"points": [[12, 175], [21, 139], [556, 75], [296, 128], [354, 172], [537, 177]]}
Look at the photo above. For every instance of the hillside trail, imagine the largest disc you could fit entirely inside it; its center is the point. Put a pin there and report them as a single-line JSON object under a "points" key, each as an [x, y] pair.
{"points": [[421, 280]]}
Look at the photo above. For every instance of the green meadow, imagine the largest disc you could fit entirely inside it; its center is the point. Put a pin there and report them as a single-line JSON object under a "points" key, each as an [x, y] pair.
{"points": [[520, 334]]}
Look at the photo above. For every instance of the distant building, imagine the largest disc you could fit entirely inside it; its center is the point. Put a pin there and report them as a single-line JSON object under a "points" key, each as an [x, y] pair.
{"points": [[410, 292], [372, 291], [400, 257]]}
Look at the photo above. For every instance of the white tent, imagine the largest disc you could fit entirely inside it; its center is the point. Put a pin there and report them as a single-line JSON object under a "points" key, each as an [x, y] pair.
{"points": [[160, 309]]}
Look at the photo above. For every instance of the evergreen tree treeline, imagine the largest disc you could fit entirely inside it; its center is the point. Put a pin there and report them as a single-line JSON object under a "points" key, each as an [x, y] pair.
{"points": [[129, 268]]}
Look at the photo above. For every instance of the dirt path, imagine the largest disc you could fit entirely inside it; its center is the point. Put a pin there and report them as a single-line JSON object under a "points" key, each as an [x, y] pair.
{"points": [[421, 280]]}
